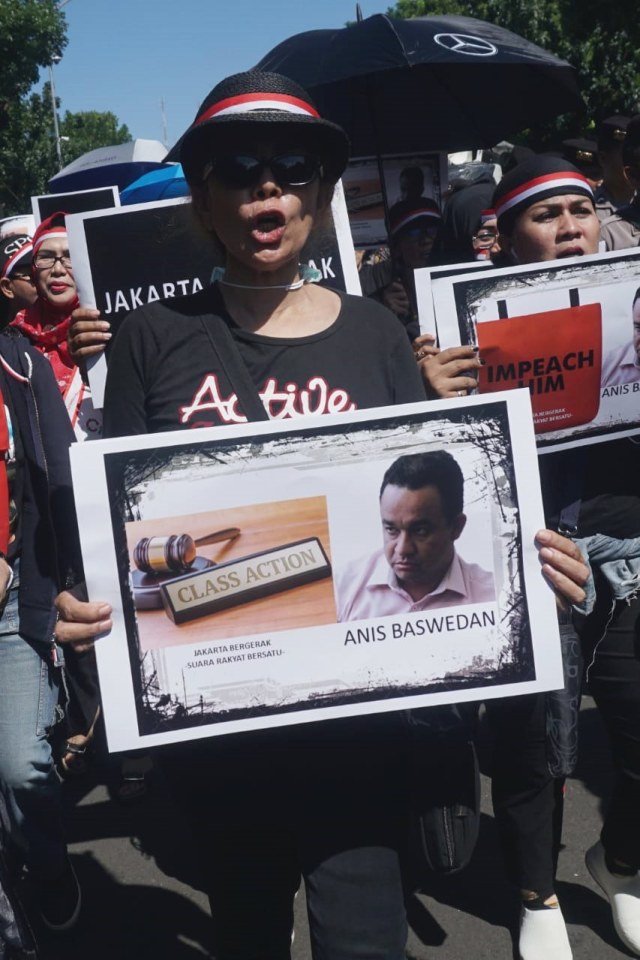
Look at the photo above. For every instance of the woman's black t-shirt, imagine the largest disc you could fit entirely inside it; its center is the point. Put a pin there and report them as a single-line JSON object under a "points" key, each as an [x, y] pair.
{"points": [[164, 375]]}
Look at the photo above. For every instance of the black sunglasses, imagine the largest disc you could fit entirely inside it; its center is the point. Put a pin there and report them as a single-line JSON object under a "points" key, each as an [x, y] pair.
{"points": [[242, 170]]}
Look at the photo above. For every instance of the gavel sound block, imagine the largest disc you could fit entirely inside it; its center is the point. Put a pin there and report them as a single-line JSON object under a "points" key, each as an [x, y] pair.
{"points": [[264, 527], [162, 558]]}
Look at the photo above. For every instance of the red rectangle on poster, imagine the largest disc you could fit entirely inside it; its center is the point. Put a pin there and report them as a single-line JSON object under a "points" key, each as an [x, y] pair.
{"points": [[557, 355]]}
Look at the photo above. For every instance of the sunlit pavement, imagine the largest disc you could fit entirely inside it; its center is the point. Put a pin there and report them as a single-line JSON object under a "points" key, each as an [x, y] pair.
{"points": [[141, 896]]}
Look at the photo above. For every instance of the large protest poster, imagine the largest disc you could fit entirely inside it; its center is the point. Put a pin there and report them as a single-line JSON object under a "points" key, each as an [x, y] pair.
{"points": [[565, 331], [233, 558], [131, 256], [78, 201], [404, 175]]}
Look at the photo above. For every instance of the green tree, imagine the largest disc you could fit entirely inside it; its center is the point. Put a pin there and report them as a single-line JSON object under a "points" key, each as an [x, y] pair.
{"points": [[27, 146], [87, 131], [32, 33], [599, 38], [27, 153]]}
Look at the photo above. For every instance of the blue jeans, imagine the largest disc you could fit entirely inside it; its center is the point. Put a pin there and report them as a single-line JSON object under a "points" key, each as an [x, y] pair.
{"points": [[29, 690]]}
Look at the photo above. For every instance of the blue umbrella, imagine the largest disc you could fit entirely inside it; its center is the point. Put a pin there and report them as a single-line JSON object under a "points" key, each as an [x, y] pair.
{"points": [[160, 184], [114, 166]]}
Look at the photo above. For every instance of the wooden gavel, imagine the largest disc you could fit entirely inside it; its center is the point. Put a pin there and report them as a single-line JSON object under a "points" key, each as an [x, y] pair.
{"points": [[175, 553]]}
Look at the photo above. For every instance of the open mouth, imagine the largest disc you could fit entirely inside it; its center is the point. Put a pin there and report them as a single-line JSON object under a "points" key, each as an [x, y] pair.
{"points": [[268, 226]]}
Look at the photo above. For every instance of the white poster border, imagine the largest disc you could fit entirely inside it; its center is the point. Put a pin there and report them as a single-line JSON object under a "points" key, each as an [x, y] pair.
{"points": [[425, 280]]}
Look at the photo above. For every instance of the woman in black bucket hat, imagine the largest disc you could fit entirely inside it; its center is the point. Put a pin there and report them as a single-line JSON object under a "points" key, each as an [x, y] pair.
{"points": [[326, 801], [277, 104]]}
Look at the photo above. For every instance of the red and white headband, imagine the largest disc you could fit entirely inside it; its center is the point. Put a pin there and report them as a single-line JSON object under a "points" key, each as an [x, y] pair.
{"points": [[54, 233], [415, 215], [248, 102], [24, 250], [550, 184], [486, 216]]}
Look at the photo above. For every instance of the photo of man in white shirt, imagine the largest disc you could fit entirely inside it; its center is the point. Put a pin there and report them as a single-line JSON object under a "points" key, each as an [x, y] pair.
{"points": [[418, 567]]}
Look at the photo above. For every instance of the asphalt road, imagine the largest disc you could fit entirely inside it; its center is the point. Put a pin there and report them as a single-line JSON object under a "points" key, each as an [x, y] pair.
{"points": [[141, 896]]}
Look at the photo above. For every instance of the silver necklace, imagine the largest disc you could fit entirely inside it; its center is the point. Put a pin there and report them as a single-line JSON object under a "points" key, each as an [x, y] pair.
{"points": [[267, 286], [308, 274]]}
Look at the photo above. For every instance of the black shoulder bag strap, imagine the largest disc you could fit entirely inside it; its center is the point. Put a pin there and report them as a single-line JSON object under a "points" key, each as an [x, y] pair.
{"points": [[234, 367]]}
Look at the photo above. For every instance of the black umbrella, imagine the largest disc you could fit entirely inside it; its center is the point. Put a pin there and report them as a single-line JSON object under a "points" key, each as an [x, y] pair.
{"points": [[430, 83]]}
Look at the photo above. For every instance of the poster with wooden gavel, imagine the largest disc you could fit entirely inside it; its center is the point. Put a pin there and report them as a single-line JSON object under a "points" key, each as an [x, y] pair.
{"points": [[255, 582], [567, 330]]}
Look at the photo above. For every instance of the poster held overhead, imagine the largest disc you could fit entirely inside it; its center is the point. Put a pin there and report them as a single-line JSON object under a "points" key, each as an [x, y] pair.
{"points": [[79, 201], [404, 175]]}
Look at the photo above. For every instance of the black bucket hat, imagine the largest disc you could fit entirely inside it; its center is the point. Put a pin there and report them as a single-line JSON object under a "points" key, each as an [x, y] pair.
{"points": [[252, 100], [536, 179]]}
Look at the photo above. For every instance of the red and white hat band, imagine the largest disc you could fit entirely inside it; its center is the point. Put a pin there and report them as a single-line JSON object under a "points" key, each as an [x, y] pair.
{"points": [[247, 102], [54, 234], [13, 261], [561, 182], [415, 215]]}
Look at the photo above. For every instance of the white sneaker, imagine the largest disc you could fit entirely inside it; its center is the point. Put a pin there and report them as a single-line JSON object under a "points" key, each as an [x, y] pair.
{"points": [[623, 894], [543, 935]]}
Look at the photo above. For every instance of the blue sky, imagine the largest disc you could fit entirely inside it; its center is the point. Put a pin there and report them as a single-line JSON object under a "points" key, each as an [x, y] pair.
{"points": [[126, 55]]}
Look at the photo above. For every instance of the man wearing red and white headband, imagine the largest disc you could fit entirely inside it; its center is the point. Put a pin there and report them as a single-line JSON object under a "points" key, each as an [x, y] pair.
{"points": [[413, 228], [16, 280]]}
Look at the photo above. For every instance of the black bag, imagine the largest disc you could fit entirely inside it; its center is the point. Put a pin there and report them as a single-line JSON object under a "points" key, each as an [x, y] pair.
{"points": [[444, 790], [563, 706]]}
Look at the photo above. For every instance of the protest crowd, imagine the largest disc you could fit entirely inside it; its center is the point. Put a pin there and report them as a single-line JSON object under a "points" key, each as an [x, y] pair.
{"points": [[262, 164]]}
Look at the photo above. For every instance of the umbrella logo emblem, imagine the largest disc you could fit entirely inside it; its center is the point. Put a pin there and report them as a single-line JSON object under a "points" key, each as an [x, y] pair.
{"points": [[463, 43]]}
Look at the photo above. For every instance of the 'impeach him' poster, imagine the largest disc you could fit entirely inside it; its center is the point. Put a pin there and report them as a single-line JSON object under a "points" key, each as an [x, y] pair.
{"points": [[567, 330]]}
